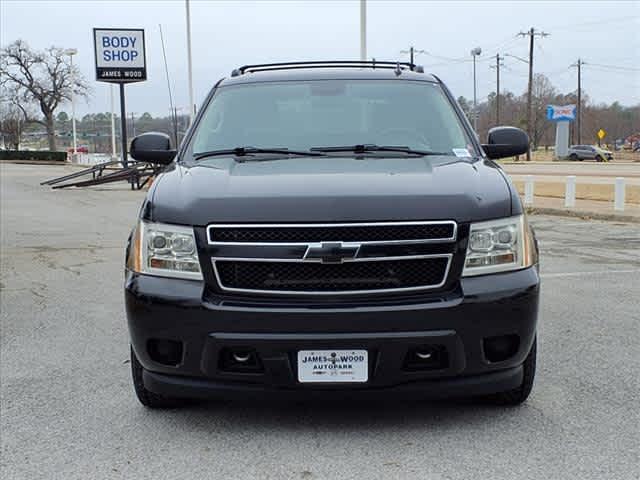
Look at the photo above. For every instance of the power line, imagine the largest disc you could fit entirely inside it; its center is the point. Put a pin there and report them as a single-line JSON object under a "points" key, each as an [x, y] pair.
{"points": [[596, 22], [616, 67]]}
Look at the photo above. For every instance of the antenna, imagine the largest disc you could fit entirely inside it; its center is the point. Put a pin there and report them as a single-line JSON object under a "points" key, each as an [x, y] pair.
{"points": [[174, 116]]}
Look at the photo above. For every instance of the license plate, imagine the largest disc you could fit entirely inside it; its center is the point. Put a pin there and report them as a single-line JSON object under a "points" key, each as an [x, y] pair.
{"points": [[316, 366]]}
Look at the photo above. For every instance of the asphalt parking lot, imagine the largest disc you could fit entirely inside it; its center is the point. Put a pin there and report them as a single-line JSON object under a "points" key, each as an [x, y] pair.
{"points": [[68, 409]]}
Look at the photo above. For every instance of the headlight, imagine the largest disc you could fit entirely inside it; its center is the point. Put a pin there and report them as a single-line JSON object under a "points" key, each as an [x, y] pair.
{"points": [[499, 246], [164, 250]]}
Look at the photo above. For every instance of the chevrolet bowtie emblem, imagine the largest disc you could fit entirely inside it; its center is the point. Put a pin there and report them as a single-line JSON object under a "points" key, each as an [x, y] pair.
{"points": [[333, 252]]}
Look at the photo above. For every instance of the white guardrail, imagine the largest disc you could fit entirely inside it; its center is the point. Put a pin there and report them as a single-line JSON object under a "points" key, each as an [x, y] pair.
{"points": [[570, 192]]}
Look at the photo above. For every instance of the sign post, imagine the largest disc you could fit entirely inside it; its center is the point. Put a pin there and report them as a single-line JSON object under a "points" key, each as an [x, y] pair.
{"points": [[562, 116], [120, 58]]}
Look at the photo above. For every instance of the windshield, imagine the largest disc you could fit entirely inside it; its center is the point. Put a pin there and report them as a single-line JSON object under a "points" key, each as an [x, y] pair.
{"points": [[309, 114]]}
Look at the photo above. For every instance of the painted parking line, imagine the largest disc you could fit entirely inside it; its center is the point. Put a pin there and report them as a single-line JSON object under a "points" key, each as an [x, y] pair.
{"points": [[581, 274]]}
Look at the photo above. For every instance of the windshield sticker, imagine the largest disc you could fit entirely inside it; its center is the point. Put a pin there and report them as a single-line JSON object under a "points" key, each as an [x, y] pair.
{"points": [[461, 152]]}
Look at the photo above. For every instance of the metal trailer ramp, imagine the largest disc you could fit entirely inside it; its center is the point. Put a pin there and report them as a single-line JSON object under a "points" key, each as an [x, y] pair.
{"points": [[137, 174]]}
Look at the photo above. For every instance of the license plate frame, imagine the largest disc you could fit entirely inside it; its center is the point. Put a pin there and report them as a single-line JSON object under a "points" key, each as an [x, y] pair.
{"points": [[333, 366]]}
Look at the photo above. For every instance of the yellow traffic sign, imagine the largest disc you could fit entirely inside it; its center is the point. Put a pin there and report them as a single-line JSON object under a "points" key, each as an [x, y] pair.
{"points": [[601, 134]]}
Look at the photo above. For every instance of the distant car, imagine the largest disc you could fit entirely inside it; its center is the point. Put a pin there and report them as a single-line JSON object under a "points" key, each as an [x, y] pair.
{"points": [[589, 152], [79, 149]]}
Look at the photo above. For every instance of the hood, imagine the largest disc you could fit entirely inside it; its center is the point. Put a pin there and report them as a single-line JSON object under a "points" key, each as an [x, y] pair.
{"points": [[329, 189]]}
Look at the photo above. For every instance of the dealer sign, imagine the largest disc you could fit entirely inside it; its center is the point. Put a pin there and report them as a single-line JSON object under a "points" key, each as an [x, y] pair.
{"points": [[120, 55]]}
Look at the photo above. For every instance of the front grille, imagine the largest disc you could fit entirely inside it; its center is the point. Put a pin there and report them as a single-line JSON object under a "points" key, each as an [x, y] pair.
{"points": [[381, 232], [348, 277]]}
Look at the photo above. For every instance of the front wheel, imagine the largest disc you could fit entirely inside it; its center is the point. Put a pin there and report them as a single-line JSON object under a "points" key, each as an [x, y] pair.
{"points": [[520, 394], [147, 397], [573, 157]]}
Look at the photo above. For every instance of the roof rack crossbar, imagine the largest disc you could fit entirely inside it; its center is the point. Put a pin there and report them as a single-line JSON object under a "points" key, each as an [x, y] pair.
{"points": [[322, 64]]}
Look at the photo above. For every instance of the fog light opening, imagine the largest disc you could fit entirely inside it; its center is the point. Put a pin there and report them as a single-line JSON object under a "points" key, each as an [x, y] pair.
{"points": [[500, 348], [166, 352]]}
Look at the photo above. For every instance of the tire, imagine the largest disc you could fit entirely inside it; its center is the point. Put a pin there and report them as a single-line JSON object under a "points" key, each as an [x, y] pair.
{"points": [[573, 157], [518, 395], [147, 397], [599, 158]]}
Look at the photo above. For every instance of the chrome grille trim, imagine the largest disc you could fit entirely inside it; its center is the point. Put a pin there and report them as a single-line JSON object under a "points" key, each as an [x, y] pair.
{"points": [[448, 256], [331, 225], [310, 243]]}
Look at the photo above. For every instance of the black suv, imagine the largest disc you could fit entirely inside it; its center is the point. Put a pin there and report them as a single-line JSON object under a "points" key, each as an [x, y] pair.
{"points": [[330, 229]]}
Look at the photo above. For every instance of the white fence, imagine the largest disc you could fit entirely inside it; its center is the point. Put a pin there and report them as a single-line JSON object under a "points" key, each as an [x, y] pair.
{"points": [[570, 192]]}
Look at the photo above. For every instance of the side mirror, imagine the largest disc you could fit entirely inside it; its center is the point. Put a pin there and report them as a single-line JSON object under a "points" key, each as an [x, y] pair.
{"points": [[152, 147], [506, 142]]}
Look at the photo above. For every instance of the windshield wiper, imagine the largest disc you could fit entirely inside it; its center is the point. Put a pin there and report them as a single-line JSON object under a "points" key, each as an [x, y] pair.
{"points": [[366, 148], [244, 151]]}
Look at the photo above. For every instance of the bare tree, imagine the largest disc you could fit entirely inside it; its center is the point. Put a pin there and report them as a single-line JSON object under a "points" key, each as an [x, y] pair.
{"points": [[543, 93], [41, 77], [15, 115]]}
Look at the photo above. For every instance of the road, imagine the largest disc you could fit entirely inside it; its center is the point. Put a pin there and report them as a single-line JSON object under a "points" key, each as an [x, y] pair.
{"points": [[68, 410]]}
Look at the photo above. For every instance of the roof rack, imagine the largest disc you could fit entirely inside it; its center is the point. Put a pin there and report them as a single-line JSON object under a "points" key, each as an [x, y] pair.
{"points": [[327, 64]]}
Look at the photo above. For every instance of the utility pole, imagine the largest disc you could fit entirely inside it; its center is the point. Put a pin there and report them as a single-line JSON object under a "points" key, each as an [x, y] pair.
{"points": [[412, 53], [532, 34], [497, 67], [579, 64]]}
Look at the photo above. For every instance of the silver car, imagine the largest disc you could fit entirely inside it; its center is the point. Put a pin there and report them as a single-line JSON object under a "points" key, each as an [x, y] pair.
{"points": [[589, 152]]}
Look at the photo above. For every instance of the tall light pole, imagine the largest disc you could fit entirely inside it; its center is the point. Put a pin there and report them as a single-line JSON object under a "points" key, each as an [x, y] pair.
{"points": [[363, 30], [474, 53], [71, 52], [113, 124], [192, 106]]}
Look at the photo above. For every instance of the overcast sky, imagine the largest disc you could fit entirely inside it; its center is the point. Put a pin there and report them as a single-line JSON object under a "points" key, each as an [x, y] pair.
{"points": [[226, 34]]}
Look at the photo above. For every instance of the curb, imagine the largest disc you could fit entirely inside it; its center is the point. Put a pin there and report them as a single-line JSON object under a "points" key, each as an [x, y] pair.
{"points": [[36, 162], [583, 214]]}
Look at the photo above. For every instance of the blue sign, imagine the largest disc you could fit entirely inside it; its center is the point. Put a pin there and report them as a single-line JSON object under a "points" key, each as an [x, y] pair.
{"points": [[566, 113]]}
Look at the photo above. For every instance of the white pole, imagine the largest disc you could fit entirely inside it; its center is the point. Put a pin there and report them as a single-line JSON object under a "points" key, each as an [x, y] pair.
{"points": [[363, 30], [475, 97], [618, 202], [73, 105], [474, 53], [528, 190], [192, 107], [113, 124], [570, 192]]}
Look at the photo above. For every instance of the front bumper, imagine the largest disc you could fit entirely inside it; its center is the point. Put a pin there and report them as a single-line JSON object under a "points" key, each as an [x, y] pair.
{"points": [[459, 321]]}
